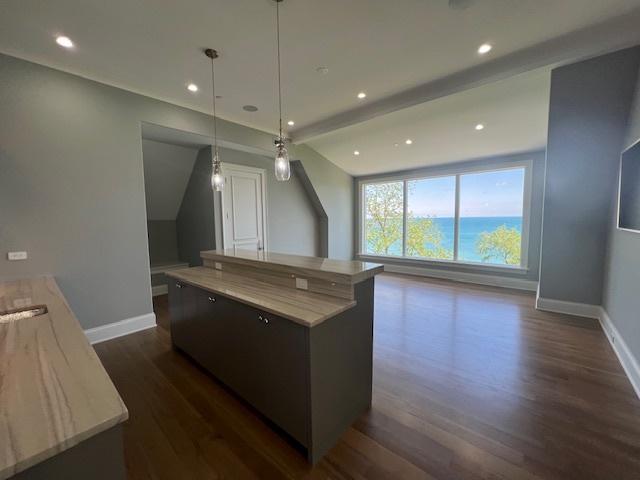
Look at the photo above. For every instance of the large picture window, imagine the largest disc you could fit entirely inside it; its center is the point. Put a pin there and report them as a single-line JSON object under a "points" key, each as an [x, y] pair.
{"points": [[474, 217]]}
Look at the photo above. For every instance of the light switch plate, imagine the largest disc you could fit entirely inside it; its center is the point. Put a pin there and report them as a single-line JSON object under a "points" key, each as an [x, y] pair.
{"points": [[17, 255], [302, 283]]}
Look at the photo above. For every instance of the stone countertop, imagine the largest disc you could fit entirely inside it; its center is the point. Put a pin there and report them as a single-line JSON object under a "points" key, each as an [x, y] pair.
{"points": [[306, 308], [339, 271], [54, 392]]}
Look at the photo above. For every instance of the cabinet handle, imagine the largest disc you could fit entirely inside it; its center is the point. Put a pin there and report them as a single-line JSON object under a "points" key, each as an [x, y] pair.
{"points": [[260, 317], [178, 285], [266, 321], [212, 299]]}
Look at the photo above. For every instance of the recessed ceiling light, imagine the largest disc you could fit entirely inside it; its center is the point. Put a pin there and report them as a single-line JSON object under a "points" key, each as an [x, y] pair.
{"points": [[64, 41], [396, 144], [362, 95], [192, 87], [356, 152], [408, 141], [250, 108], [484, 48], [480, 126], [291, 123]]}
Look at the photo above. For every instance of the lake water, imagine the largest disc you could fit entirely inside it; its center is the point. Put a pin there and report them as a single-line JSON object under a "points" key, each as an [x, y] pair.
{"points": [[470, 230]]}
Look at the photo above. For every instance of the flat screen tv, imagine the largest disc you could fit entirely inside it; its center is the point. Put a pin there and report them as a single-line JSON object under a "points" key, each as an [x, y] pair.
{"points": [[629, 200]]}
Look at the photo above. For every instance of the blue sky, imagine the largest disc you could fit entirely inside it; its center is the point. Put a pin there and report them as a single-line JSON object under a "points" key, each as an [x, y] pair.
{"points": [[486, 194]]}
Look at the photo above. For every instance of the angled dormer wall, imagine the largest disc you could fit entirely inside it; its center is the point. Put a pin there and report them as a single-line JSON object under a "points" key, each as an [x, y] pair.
{"points": [[167, 169]]}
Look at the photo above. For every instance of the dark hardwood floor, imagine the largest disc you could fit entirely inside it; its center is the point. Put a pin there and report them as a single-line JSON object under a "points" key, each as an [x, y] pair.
{"points": [[470, 382]]}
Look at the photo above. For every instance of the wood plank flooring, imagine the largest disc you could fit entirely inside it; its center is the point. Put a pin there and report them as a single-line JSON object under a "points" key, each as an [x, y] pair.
{"points": [[470, 383]]}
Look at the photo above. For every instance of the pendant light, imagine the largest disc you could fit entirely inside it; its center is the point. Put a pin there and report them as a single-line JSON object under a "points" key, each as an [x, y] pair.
{"points": [[217, 180], [282, 165]]}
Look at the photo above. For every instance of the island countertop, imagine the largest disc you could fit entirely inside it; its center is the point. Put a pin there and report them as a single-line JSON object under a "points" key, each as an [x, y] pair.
{"points": [[339, 271], [54, 392], [306, 308]]}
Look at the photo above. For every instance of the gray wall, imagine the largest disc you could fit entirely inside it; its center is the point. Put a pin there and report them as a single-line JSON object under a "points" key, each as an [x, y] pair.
{"points": [[292, 223], [622, 279], [72, 186], [195, 221], [167, 169], [535, 221], [163, 242], [335, 190], [588, 111]]}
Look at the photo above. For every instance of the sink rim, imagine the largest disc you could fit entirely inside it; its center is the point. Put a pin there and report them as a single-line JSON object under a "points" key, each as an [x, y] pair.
{"points": [[13, 315]]}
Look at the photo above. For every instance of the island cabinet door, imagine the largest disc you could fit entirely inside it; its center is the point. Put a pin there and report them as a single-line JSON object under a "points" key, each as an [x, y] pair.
{"points": [[182, 312], [219, 337], [271, 361]]}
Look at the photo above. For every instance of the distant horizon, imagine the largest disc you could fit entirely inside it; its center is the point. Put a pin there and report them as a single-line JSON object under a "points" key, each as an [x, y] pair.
{"points": [[473, 216], [465, 216]]}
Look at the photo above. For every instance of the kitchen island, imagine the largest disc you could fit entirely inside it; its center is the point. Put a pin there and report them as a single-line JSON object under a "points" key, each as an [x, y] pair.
{"points": [[60, 414], [291, 335]]}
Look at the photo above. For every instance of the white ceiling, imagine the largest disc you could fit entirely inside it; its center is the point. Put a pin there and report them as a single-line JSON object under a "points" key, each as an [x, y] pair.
{"points": [[513, 111], [382, 47], [416, 59], [167, 169]]}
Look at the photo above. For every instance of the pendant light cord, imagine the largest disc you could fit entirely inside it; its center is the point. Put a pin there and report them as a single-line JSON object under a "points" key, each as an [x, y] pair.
{"points": [[279, 81], [213, 89]]}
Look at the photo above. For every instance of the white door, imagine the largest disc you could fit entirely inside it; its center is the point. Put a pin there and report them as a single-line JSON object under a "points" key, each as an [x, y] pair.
{"points": [[243, 207]]}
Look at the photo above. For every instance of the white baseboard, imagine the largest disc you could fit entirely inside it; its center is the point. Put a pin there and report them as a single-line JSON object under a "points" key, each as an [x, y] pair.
{"points": [[627, 360], [159, 290], [569, 308], [118, 329], [477, 278]]}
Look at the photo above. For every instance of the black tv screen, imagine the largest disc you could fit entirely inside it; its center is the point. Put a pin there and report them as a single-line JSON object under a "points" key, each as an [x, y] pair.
{"points": [[629, 201]]}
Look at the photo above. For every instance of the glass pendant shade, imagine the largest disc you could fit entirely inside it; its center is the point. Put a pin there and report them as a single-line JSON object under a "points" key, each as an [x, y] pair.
{"points": [[217, 180], [282, 165]]}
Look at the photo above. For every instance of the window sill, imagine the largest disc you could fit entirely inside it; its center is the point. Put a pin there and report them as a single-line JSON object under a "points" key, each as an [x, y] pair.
{"points": [[443, 263]]}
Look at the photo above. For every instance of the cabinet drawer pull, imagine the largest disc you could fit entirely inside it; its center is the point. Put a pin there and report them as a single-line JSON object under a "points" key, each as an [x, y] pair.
{"points": [[178, 285], [212, 299], [260, 317], [266, 320]]}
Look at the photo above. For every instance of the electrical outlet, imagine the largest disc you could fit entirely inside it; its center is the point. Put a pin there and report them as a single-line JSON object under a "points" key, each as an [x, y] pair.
{"points": [[302, 283], [218, 266], [17, 255]]}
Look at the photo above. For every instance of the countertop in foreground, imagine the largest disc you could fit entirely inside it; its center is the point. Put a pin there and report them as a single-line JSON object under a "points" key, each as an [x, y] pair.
{"points": [[54, 392]]}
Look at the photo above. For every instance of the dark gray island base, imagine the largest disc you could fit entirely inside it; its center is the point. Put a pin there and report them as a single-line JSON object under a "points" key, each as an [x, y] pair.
{"points": [[312, 376], [99, 458]]}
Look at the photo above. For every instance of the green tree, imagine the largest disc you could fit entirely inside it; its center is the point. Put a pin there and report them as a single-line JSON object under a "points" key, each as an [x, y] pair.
{"points": [[424, 238], [384, 205], [503, 244], [384, 208]]}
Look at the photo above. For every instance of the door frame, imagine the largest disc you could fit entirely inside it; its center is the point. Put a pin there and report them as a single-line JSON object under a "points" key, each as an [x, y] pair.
{"points": [[262, 172]]}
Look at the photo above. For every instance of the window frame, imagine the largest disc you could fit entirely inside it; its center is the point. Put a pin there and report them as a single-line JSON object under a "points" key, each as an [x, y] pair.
{"points": [[456, 172]]}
